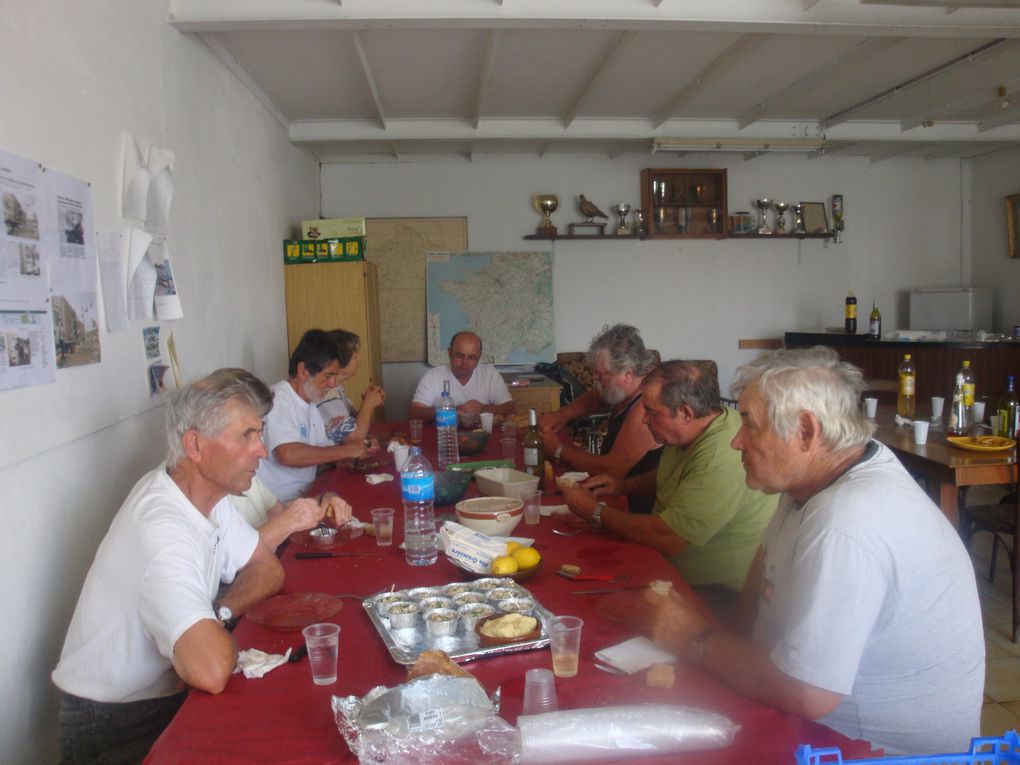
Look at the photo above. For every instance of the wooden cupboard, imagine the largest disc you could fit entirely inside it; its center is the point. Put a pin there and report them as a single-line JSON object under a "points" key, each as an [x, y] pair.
{"points": [[337, 296]]}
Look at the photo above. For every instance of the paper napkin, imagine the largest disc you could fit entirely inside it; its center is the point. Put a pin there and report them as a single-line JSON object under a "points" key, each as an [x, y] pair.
{"points": [[374, 478], [255, 663], [634, 655]]}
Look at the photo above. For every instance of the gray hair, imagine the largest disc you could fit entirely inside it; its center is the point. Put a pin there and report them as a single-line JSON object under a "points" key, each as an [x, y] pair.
{"points": [[625, 349], [685, 383], [202, 406], [810, 380]]}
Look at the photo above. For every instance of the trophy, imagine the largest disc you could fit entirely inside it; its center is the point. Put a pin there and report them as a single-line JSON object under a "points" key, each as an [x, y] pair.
{"points": [[798, 218], [763, 205], [659, 194], [545, 205], [622, 210], [640, 224], [838, 222], [781, 208]]}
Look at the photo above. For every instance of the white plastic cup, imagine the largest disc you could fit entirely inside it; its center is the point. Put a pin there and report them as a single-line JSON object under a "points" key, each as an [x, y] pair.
{"points": [[486, 418], [539, 692], [382, 521], [920, 432], [414, 430], [994, 419], [565, 644], [509, 447], [871, 407], [400, 454], [532, 506], [323, 644], [937, 404], [509, 428], [978, 408]]}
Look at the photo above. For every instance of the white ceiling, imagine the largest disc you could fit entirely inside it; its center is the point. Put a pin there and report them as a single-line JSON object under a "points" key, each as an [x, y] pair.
{"points": [[358, 80]]}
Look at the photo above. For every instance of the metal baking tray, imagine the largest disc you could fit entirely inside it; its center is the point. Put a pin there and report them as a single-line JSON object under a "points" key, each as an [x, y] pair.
{"points": [[405, 645]]}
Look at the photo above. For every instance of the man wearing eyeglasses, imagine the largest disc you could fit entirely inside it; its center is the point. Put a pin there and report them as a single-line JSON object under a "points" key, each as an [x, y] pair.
{"points": [[474, 387]]}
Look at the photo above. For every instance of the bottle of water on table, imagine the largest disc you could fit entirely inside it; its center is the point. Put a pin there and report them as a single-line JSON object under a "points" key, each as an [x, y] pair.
{"points": [[417, 487], [446, 428]]}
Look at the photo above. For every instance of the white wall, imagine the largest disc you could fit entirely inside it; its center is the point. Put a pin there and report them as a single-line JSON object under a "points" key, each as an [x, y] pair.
{"points": [[689, 298], [995, 177], [77, 78]]}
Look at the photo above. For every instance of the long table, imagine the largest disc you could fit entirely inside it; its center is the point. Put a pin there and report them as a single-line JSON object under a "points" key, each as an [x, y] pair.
{"points": [[946, 469], [285, 718]]}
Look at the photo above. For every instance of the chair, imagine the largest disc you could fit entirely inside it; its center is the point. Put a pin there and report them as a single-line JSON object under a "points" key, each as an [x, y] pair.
{"points": [[1001, 521]]}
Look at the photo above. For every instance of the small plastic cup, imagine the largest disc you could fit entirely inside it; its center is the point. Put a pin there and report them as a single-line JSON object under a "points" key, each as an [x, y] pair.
{"points": [[400, 454], [509, 446], [509, 428], [539, 692], [323, 644], [937, 404], [565, 644], [871, 407], [978, 408], [486, 418], [382, 520], [532, 506], [920, 432], [414, 430], [994, 419]]}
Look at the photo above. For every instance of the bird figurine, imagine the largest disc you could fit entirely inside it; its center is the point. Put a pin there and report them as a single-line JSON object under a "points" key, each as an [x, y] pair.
{"points": [[589, 210]]}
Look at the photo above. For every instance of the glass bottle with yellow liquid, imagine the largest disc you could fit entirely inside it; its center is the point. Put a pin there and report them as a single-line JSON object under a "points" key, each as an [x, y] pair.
{"points": [[907, 398]]}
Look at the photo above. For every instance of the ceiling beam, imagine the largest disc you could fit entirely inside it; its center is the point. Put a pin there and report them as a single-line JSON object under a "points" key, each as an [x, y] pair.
{"points": [[949, 5], [716, 69], [947, 109], [491, 45], [1005, 116], [366, 70], [619, 43], [812, 81], [216, 45]]}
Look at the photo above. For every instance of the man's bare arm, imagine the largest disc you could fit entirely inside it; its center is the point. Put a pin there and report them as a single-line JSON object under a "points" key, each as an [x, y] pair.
{"points": [[297, 454], [649, 530], [422, 412]]}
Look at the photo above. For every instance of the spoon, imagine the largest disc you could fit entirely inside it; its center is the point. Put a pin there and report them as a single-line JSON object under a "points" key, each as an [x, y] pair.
{"points": [[574, 532]]}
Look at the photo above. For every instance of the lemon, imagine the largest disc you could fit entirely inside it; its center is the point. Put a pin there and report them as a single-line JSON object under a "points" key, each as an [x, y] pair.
{"points": [[512, 547], [504, 565], [527, 557]]}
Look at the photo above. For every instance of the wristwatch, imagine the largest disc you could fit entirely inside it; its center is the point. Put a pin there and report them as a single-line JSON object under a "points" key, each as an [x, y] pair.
{"points": [[224, 614], [696, 648], [596, 516]]}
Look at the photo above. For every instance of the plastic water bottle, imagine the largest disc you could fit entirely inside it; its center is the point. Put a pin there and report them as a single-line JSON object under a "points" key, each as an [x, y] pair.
{"points": [[417, 487], [446, 428]]}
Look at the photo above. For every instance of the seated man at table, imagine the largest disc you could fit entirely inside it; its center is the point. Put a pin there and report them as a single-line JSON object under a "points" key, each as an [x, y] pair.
{"points": [[620, 363], [861, 609], [146, 626], [295, 434], [705, 520], [474, 387], [346, 424]]}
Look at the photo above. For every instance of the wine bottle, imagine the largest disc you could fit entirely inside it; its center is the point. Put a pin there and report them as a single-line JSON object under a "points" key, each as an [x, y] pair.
{"points": [[958, 415], [875, 322], [534, 450], [850, 321], [905, 401], [1008, 407]]}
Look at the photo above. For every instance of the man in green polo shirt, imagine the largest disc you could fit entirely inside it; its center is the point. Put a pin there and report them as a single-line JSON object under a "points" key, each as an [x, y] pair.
{"points": [[705, 519]]}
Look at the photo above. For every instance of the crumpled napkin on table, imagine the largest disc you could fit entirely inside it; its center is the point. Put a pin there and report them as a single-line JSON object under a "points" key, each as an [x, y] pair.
{"points": [[255, 663], [374, 478], [902, 420], [634, 655]]}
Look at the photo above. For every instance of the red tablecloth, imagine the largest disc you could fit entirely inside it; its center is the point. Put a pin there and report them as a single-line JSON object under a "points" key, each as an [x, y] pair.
{"points": [[285, 718]]}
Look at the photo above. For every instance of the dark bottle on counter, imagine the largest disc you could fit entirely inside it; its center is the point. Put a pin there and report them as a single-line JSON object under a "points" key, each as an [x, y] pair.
{"points": [[850, 322], [875, 322], [534, 450], [959, 419], [1008, 407]]}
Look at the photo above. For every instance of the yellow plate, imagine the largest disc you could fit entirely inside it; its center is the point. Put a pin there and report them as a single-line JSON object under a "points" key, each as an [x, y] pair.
{"points": [[982, 443]]}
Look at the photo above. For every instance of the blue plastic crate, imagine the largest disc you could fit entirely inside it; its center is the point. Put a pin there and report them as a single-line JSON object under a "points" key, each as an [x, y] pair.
{"points": [[994, 750]]}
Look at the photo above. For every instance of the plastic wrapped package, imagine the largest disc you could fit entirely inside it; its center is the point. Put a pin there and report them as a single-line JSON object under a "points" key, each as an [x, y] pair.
{"points": [[582, 735], [437, 718]]}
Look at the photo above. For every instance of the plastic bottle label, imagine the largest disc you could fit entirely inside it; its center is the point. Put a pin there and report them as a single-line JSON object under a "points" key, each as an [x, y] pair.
{"points": [[968, 394], [906, 385], [417, 488], [446, 418]]}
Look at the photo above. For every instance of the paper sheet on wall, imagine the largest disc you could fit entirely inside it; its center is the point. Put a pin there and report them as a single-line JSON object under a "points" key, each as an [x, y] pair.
{"points": [[175, 363], [24, 257], [136, 181], [167, 302], [161, 190], [141, 276], [26, 349], [113, 275], [73, 297], [157, 369]]}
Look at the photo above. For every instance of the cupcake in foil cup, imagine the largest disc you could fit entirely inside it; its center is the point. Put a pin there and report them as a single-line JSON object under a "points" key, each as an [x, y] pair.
{"points": [[382, 602], [402, 614], [420, 593], [502, 593], [517, 606], [463, 598], [431, 604], [452, 590], [441, 622], [489, 583], [472, 613]]}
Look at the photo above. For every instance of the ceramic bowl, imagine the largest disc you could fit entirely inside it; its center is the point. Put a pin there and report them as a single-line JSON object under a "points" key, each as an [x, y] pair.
{"points": [[471, 442], [495, 516], [450, 486]]}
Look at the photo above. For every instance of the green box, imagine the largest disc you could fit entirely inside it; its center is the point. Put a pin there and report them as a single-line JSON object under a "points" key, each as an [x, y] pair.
{"points": [[338, 250]]}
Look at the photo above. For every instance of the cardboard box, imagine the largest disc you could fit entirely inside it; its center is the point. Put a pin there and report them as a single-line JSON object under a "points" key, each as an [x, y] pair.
{"points": [[332, 228], [337, 250]]}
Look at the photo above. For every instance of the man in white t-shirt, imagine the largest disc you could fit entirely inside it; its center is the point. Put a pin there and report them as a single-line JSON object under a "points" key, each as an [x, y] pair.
{"points": [[146, 624], [860, 609], [474, 387], [295, 434]]}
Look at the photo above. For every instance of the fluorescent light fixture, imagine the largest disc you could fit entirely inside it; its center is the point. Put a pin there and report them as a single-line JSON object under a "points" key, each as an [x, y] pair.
{"points": [[739, 145]]}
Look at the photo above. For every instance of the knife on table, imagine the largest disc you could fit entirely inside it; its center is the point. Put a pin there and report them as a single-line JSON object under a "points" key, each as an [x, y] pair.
{"points": [[307, 555], [607, 592]]}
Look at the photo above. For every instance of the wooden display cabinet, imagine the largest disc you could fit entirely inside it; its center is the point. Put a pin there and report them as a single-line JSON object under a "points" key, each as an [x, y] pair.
{"points": [[684, 204]]}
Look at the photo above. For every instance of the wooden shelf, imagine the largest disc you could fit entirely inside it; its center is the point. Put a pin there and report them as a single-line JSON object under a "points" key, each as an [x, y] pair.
{"points": [[554, 237], [756, 235]]}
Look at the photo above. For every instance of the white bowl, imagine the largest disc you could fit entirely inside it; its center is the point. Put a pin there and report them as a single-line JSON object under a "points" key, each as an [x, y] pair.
{"points": [[504, 482], [495, 516]]}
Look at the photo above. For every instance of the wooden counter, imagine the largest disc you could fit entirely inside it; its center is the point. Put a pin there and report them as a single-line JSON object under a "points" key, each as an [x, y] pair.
{"points": [[937, 362]]}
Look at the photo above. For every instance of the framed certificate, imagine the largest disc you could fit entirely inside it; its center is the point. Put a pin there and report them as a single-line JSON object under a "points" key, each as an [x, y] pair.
{"points": [[815, 221]]}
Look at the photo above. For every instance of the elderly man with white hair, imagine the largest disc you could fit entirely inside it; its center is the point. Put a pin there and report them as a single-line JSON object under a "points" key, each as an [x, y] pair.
{"points": [[861, 609]]}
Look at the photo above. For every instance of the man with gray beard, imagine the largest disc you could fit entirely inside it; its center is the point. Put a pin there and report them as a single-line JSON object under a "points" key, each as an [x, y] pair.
{"points": [[294, 434], [620, 363]]}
